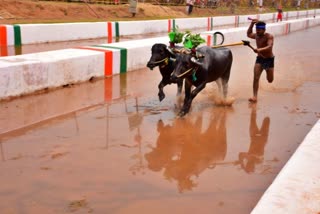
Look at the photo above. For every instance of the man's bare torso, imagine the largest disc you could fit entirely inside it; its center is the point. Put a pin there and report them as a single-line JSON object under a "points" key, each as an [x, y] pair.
{"points": [[262, 41]]}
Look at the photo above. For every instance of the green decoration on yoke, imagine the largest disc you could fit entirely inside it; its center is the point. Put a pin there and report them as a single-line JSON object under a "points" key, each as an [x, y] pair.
{"points": [[192, 40], [194, 78], [175, 36]]}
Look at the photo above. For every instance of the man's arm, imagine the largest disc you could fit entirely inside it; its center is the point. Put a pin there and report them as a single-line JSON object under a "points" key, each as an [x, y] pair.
{"points": [[250, 34]]}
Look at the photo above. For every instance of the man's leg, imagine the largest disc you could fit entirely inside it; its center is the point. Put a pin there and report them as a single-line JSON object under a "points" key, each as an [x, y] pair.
{"points": [[256, 77], [190, 9], [270, 72]]}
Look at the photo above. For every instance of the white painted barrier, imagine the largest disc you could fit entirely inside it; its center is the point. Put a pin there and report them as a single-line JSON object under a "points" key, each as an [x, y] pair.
{"points": [[233, 35], [28, 73], [296, 189], [42, 33], [127, 28], [23, 34]]}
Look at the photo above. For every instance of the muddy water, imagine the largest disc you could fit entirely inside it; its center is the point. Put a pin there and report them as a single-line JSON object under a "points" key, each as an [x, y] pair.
{"points": [[109, 146]]}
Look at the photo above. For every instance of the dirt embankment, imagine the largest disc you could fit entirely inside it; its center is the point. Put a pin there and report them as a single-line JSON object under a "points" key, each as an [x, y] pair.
{"points": [[31, 11]]}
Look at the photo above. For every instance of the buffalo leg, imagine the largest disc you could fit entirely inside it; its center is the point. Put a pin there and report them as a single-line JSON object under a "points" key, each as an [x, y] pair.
{"points": [[225, 88], [190, 96], [225, 80], [161, 94], [219, 84], [187, 96], [179, 83]]}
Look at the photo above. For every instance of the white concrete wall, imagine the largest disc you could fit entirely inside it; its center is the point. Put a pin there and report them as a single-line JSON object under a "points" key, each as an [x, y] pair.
{"points": [[42, 33], [233, 35], [142, 27], [28, 73], [10, 35], [192, 23], [223, 20], [139, 52]]}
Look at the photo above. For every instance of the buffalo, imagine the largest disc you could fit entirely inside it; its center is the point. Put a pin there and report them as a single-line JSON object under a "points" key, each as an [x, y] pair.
{"points": [[163, 57], [214, 66]]}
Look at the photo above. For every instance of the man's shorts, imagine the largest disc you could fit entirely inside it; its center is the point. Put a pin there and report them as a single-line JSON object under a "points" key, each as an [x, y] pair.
{"points": [[266, 63]]}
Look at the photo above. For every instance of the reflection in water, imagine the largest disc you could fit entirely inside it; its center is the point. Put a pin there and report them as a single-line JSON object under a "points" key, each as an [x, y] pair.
{"points": [[135, 119], [3, 50], [18, 49], [259, 138], [184, 150], [2, 153], [10, 50]]}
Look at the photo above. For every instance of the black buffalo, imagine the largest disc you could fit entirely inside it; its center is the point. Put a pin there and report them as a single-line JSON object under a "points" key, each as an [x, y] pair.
{"points": [[216, 65], [162, 56]]}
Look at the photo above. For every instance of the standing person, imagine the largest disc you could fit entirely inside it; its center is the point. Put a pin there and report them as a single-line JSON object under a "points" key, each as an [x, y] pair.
{"points": [[279, 16], [265, 57], [133, 7], [190, 4]]}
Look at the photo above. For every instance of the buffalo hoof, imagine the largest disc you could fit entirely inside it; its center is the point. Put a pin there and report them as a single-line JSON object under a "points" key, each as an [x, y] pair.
{"points": [[182, 113], [161, 96]]}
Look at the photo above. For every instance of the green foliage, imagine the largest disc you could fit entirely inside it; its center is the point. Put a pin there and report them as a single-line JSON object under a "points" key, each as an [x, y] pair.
{"points": [[193, 40], [190, 40], [175, 35]]}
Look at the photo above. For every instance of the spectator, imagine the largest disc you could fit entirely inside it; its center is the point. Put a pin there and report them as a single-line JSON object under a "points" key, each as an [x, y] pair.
{"points": [[133, 7], [279, 16], [190, 4]]}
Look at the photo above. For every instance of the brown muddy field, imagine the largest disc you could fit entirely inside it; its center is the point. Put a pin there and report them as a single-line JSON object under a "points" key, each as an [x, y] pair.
{"points": [[110, 146], [35, 11]]}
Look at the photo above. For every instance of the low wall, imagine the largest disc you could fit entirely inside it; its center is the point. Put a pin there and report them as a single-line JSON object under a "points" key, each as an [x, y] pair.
{"points": [[29, 73], [296, 189], [23, 34]]}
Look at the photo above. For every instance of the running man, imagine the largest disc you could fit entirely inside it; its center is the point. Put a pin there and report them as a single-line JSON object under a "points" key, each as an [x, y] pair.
{"points": [[265, 57]]}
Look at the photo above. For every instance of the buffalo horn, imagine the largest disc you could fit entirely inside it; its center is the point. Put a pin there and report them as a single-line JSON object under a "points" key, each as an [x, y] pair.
{"points": [[194, 60], [170, 50]]}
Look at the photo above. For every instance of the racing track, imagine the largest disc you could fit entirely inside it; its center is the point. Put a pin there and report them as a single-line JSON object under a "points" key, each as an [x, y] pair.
{"points": [[130, 154]]}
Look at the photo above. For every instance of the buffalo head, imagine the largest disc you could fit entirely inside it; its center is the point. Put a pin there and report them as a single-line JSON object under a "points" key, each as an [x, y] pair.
{"points": [[160, 55], [185, 65]]}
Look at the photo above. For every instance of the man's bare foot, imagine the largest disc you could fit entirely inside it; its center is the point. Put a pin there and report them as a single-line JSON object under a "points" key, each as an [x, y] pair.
{"points": [[253, 99]]}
